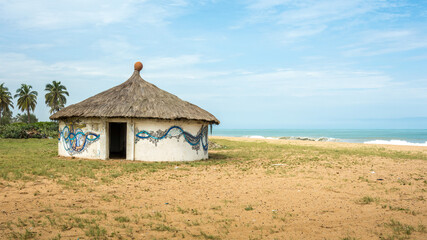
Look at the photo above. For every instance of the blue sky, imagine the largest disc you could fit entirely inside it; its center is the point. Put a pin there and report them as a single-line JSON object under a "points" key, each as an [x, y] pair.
{"points": [[253, 64]]}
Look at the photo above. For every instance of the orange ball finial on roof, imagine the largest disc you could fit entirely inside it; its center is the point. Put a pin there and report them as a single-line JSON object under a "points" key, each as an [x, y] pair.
{"points": [[138, 66]]}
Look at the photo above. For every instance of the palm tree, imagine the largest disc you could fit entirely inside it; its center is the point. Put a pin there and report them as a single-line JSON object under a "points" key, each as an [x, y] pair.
{"points": [[5, 101], [55, 96], [27, 99]]}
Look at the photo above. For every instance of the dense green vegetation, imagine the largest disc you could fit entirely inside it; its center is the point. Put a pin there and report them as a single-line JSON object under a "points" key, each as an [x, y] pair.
{"points": [[33, 130]]}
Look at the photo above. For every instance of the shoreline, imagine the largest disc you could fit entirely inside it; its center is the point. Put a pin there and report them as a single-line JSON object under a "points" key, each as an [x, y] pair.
{"points": [[325, 143], [404, 137]]}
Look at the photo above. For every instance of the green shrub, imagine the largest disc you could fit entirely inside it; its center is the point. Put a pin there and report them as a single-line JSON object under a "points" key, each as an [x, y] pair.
{"points": [[33, 130]]}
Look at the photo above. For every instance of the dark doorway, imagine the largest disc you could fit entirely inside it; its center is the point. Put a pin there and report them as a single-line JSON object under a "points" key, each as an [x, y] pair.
{"points": [[117, 140]]}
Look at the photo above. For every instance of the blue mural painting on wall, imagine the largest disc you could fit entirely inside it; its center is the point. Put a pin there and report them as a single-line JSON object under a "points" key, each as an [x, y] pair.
{"points": [[74, 139], [200, 140]]}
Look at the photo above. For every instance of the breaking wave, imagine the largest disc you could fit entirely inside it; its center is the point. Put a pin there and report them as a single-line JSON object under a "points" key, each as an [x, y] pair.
{"points": [[314, 139], [396, 142], [260, 137], [326, 139]]}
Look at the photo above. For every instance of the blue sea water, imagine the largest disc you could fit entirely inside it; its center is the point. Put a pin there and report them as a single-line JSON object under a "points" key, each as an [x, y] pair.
{"points": [[416, 137]]}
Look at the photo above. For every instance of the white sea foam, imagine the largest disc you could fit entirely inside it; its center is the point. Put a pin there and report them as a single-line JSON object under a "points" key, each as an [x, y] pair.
{"points": [[325, 139], [260, 137], [396, 142], [318, 139], [256, 136], [314, 139]]}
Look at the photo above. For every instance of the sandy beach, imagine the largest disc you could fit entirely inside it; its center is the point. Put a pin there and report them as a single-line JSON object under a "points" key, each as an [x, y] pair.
{"points": [[249, 189], [326, 144]]}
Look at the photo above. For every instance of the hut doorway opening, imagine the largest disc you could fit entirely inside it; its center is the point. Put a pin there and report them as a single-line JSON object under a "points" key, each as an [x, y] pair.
{"points": [[117, 140]]}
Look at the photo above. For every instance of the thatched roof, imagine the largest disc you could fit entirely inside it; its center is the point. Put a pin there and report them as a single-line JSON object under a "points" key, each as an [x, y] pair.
{"points": [[136, 98]]}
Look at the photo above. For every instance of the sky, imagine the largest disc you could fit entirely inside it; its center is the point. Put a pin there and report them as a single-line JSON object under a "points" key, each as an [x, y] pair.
{"points": [[259, 64]]}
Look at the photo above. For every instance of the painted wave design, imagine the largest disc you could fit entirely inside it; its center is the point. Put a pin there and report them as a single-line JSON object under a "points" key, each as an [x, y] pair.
{"points": [[76, 140], [201, 137]]}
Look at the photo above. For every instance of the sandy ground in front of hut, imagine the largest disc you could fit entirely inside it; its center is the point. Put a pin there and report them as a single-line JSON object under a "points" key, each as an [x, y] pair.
{"points": [[349, 196]]}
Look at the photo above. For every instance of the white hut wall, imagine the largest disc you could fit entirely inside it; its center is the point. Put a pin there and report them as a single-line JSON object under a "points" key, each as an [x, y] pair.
{"points": [[162, 140], [146, 139]]}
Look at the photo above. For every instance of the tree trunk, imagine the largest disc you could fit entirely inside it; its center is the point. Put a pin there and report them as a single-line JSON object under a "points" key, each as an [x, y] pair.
{"points": [[28, 113], [1, 110]]}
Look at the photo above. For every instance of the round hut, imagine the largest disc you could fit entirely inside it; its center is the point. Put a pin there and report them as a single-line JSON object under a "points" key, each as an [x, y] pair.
{"points": [[135, 121]]}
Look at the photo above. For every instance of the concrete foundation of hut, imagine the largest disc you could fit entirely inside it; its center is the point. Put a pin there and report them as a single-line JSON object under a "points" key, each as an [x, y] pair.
{"points": [[133, 139]]}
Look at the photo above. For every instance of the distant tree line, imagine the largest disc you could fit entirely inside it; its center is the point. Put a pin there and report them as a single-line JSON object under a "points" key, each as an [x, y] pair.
{"points": [[55, 99]]}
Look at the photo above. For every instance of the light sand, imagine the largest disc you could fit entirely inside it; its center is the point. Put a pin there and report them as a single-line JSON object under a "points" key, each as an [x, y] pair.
{"points": [[258, 200]]}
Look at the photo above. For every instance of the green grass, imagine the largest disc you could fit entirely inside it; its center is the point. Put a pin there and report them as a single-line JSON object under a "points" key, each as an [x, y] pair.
{"points": [[367, 200], [122, 219], [182, 210], [163, 228], [26, 159], [256, 150], [249, 208], [400, 229], [96, 232], [208, 236], [392, 208], [60, 222], [26, 235]]}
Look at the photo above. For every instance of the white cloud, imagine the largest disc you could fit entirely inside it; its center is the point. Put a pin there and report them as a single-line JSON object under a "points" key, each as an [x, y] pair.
{"points": [[19, 68], [172, 62], [267, 4], [293, 82], [323, 12], [86, 78], [300, 19], [317, 11], [35, 46], [382, 42], [60, 14], [63, 14], [117, 47], [187, 79], [294, 34]]}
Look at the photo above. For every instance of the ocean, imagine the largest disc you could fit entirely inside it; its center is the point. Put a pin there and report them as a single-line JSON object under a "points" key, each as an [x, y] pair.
{"points": [[412, 137]]}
